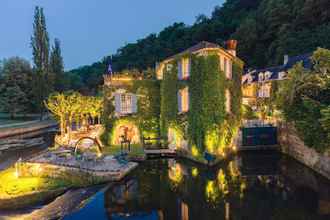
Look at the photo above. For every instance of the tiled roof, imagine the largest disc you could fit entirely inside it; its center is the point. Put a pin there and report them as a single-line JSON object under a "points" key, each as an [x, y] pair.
{"points": [[253, 76], [197, 47]]}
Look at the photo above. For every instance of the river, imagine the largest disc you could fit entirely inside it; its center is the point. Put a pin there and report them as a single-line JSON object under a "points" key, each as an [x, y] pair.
{"points": [[255, 185]]}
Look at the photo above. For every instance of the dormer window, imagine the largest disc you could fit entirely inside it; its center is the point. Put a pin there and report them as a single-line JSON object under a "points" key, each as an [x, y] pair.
{"points": [[268, 75], [184, 68], [261, 77], [281, 75], [125, 103], [169, 67]]}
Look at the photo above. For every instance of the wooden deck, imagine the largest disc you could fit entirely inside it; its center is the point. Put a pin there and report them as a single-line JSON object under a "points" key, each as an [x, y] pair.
{"points": [[258, 147]]}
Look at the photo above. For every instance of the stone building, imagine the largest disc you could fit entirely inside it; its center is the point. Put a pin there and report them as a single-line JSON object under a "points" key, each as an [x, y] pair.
{"points": [[205, 78]]}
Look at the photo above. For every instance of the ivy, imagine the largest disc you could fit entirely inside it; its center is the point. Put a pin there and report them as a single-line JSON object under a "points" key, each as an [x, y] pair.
{"points": [[147, 118], [169, 101]]}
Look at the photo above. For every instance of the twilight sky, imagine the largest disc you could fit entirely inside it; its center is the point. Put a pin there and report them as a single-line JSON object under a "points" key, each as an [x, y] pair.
{"points": [[88, 29]]}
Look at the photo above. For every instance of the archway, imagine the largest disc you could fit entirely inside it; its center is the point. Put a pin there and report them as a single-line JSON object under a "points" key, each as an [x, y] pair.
{"points": [[126, 130], [95, 141]]}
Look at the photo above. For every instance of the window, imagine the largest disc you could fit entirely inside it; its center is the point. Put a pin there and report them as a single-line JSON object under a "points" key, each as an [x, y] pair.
{"points": [[183, 100], [225, 65], [229, 69], [261, 77], [184, 68], [264, 91], [228, 101], [281, 75], [268, 75], [125, 103], [169, 67]]}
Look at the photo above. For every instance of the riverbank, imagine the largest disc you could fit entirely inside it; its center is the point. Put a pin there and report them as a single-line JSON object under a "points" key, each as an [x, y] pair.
{"points": [[26, 127], [292, 145]]}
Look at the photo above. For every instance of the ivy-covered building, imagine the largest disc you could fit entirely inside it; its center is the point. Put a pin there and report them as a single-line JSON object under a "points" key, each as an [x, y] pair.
{"points": [[194, 102]]}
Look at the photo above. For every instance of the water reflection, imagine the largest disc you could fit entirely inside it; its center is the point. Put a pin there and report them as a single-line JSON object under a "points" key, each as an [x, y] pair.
{"points": [[250, 186]]}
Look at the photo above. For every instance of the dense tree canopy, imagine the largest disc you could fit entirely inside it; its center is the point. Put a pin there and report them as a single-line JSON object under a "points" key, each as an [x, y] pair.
{"points": [[15, 86], [266, 30]]}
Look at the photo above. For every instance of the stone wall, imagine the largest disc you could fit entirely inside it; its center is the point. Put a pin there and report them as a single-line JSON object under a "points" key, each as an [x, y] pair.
{"points": [[293, 146]]}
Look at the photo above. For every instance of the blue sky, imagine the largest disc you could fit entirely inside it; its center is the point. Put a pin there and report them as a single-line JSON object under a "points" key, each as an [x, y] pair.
{"points": [[91, 29]]}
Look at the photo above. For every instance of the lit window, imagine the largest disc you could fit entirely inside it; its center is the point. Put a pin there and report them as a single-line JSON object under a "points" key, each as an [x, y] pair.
{"points": [[184, 68], [229, 69], [264, 91], [183, 100], [228, 101]]}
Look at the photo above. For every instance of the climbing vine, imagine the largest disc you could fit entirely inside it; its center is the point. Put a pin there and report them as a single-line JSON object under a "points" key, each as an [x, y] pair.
{"points": [[147, 117], [169, 102]]}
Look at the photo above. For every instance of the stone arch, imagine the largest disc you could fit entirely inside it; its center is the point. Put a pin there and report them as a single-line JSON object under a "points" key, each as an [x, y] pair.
{"points": [[127, 129], [95, 140]]}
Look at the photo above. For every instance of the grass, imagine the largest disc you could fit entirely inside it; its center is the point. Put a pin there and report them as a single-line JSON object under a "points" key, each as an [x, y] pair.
{"points": [[136, 150], [13, 186]]}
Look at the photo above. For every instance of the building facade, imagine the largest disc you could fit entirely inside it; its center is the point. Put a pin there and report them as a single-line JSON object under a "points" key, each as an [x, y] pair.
{"points": [[194, 102], [259, 83]]}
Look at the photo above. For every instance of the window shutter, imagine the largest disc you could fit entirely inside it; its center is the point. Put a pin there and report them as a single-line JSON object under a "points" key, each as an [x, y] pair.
{"points": [[117, 103], [188, 98], [179, 101], [180, 69], [189, 67], [134, 104]]}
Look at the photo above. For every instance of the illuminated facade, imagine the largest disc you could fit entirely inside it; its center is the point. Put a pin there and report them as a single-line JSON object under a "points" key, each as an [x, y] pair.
{"points": [[129, 98]]}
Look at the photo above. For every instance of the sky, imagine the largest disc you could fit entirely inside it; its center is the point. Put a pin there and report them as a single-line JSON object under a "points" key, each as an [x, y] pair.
{"points": [[91, 29]]}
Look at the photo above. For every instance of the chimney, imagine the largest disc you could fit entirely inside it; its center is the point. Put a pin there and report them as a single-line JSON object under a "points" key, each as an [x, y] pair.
{"points": [[286, 59], [231, 46]]}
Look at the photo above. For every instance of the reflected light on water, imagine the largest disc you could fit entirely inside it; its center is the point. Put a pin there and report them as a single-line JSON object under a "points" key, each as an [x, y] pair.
{"points": [[175, 173], [194, 172], [211, 191]]}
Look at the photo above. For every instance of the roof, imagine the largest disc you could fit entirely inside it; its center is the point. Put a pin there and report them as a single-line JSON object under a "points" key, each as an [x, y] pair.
{"points": [[253, 76], [201, 45]]}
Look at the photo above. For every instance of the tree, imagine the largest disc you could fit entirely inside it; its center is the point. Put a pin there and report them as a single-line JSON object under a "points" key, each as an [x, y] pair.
{"points": [[57, 104], [12, 100], [16, 77], [57, 67], [305, 99], [40, 51]]}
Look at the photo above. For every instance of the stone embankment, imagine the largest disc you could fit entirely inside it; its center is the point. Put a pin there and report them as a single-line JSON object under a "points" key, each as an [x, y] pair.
{"points": [[18, 144], [89, 169], [293, 146], [27, 128]]}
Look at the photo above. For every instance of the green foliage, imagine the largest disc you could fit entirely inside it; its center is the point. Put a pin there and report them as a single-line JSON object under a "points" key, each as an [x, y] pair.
{"points": [[169, 99], [56, 67], [304, 100], [12, 100], [206, 125], [148, 92], [43, 82], [15, 86], [248, 113], [73, 107], [147, 117], [265, 30]]}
